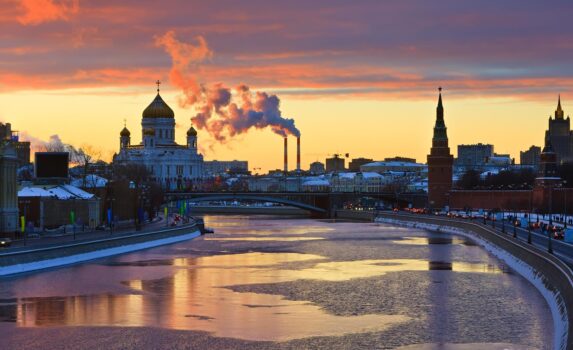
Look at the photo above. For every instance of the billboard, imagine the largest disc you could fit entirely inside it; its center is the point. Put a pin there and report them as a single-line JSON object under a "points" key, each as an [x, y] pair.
{"points": [[51, 164]]}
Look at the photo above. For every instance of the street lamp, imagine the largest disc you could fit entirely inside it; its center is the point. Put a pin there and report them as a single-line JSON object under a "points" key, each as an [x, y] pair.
{"points": [[565, 204], [502, 221], [529, 228], [549, 233]]}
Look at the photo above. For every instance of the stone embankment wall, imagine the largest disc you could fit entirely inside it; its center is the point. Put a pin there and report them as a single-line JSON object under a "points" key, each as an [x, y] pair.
{"points": [[38, 258], [557, 276], [248, 210]]}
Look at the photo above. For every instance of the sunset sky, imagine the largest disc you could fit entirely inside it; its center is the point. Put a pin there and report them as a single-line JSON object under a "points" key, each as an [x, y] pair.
{"points": [[357, 77]]}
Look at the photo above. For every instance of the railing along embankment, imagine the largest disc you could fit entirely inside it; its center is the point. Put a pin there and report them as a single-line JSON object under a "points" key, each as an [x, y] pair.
{"points": [[39, 258]]}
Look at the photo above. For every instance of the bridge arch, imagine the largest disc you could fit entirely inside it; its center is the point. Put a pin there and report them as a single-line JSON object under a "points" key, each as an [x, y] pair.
{"points": [[227, 197]]}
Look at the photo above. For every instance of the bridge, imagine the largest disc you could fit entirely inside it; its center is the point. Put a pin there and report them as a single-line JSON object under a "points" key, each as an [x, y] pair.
{"points": [[319, 204]]}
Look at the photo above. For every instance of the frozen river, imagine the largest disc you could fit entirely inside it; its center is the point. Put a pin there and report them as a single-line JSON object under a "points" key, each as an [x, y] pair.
{"points": [[264, 282]]}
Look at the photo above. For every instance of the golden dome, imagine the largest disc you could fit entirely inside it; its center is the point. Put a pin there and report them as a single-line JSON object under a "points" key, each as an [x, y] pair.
{"points": [[125, 132], [149, 132], [191, 132], [158, 109]]}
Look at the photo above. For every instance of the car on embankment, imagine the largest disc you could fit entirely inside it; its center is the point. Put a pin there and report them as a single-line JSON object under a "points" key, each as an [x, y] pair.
{"points": [[5, 242]]}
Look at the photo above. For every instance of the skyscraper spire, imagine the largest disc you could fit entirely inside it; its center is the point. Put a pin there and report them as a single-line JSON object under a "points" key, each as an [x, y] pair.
{"points": [[559, 111]]}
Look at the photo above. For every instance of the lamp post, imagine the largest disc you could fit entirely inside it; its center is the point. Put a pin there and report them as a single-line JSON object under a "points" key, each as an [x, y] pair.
{"points": [[564, 204], [529, 228], [73, 218], [514, 221], [529, 220], [502, 221], [549, 233]]}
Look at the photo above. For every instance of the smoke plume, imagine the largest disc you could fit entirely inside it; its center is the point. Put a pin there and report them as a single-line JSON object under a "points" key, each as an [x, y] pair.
{"points": [[221, 111]]}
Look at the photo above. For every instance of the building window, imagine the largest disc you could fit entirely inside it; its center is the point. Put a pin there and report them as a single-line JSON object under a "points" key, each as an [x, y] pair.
{"points": [[179, 170]]}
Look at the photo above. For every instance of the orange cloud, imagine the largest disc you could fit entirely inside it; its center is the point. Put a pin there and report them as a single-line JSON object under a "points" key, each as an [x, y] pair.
{"points": [[105, 77], [40, 11]]}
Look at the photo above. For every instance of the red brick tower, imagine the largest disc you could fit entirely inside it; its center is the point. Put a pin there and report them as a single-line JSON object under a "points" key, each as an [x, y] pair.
{"points": [[440, 162]]}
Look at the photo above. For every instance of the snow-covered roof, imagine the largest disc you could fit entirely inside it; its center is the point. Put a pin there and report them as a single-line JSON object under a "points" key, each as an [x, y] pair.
{"points": [[59, 192], [92, 181], [316, 183], [395, 164], [34, 192], [78, 192], [365, 175]]}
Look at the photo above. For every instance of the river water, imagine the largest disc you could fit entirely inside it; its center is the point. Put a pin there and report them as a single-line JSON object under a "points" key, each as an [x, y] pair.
{"points": [[269, 282]]}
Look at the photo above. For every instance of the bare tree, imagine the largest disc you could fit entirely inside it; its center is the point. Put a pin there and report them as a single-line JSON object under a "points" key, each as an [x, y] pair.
{"points": [[85, 156]]}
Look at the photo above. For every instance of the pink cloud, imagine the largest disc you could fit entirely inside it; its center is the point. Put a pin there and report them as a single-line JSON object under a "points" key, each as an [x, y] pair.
{"points": [[40, 11]]}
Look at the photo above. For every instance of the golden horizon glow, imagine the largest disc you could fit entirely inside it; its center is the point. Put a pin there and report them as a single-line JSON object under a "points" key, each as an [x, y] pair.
{"points": [[364, 126]]}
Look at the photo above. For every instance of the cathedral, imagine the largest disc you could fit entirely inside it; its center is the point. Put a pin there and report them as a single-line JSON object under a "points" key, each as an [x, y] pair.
{"points": [[172, 165], [559, 135]]}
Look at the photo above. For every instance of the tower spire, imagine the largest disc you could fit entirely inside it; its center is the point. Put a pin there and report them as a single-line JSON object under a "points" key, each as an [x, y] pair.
{"points": [[559, 111], [158, 83], [440, 130]]}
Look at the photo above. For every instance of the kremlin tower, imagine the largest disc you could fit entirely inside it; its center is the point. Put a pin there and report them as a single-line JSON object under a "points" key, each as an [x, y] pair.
{"points": [[440, 162]]}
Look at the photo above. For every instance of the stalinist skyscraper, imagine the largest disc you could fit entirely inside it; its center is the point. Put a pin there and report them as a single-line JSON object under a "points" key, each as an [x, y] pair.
{"points": [[559, 135], [440, 162]]}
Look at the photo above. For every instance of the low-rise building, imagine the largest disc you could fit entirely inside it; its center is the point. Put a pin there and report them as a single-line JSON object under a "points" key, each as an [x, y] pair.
{"points": [[530, 157], [400, 159], [220, 167], [335, 164], [45, 207], [362, 182], [317, 168], [474, 156], [394, 166], [356, 163]]}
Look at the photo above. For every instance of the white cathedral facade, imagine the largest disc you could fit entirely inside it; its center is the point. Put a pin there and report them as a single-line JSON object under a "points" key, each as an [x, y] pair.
{"points": [[173, 166]]}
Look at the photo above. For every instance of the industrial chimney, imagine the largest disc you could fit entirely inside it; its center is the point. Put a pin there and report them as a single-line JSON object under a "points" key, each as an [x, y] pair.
{"points": [[298, 154], [286, 156]]}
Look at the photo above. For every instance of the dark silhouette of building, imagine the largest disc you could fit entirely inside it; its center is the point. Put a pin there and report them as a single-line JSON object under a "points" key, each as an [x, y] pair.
{"points": [[474, 156], [334, 164], [355, 163], [530, 157], [547, 175], [22, 148], [560, 136], [400, 159], [440, 162], [317, 168]]}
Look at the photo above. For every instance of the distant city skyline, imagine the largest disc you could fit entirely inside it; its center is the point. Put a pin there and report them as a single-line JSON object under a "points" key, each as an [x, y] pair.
{"points": [[357, 78]]}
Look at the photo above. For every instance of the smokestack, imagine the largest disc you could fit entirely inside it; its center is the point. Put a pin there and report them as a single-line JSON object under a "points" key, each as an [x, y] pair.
{"points": [[286, 156], [298, 154]]}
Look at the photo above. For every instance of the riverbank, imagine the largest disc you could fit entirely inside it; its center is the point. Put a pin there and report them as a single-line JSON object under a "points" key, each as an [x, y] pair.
{"points": [[552, 277], [39, 258]]}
